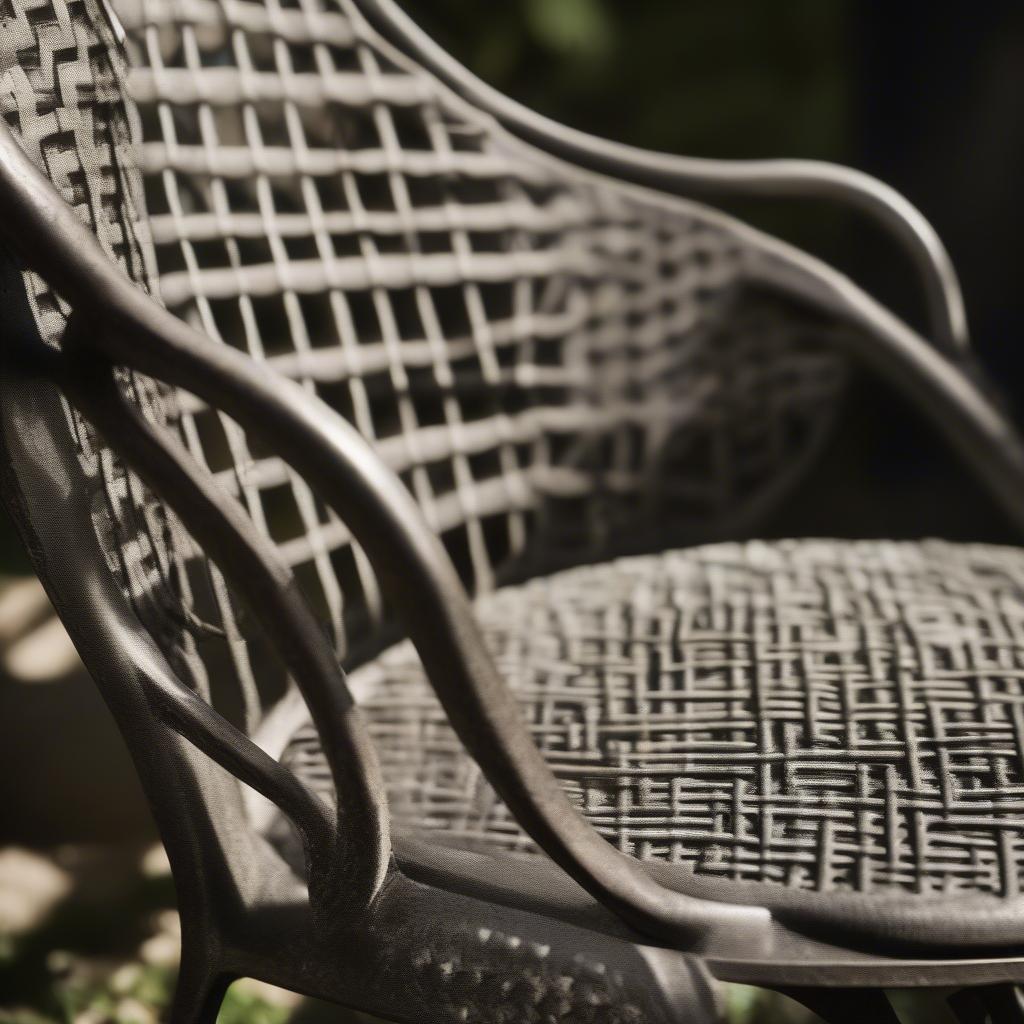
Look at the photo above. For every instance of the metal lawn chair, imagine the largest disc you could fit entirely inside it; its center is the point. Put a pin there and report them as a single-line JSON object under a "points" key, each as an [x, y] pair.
{"points": [[307, 333]]}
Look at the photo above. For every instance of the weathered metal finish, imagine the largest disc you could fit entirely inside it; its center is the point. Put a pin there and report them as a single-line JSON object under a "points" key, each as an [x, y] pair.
{"points": [[414, 570], [362, 920], [418, 577]]}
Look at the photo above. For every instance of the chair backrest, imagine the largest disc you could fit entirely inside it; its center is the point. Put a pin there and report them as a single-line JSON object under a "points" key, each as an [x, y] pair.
{"points": [[556, 365]]}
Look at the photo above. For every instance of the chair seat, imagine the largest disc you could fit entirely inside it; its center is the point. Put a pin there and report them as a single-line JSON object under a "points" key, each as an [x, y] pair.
{"points": [[819, 715]]}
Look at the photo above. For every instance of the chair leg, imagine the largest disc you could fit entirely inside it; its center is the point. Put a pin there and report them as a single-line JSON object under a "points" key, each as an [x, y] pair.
{"points": [[846, 1005], [199, 992]]}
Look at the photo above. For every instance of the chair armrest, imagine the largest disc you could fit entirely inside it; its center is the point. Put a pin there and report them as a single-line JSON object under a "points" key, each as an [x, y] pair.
{"points": [[694, 177]]}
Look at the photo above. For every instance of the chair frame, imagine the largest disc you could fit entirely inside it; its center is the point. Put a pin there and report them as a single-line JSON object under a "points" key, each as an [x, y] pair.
{"points": [[702, 178], [782, 940]]}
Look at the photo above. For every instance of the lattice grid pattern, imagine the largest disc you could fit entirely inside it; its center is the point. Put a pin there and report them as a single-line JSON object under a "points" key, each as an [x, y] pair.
{"points": [[550, 365], [820, 715], [535, 354], [62, 92]]}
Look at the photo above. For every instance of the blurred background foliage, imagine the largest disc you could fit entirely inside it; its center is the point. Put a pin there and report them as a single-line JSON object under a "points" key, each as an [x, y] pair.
{"points": [[690, 76]]}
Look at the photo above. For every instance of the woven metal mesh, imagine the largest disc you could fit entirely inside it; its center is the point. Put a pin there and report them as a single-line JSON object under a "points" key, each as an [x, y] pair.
{"points": [[819, 715], [62, 93], [551, 364]]}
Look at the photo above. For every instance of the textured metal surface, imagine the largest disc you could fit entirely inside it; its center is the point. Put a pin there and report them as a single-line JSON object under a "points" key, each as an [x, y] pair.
{"points": [[819, 715], [524, 427], [467, 971], [418, 575], [200, 817], [62, 93], [336, 459]]}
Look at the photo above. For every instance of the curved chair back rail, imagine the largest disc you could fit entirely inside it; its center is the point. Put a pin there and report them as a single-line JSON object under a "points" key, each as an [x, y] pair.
{"points": [[131, 330], [707, 178]]}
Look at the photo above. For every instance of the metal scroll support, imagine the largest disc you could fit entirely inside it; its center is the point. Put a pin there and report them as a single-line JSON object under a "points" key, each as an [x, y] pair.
{"points": [[348, 853]]}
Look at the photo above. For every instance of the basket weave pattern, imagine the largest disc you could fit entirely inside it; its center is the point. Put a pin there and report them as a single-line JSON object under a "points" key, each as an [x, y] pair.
{"points": [[816, 714]]}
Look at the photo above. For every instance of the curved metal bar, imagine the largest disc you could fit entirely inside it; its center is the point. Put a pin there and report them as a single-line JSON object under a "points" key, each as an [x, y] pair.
{"points": [[414, 570], [191, 717], [420, 581], [970, 422], [348, 853], [696, 177]]}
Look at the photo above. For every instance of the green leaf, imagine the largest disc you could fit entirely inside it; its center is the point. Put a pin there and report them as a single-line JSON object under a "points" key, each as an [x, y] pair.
{"points": [[578, 27]]}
